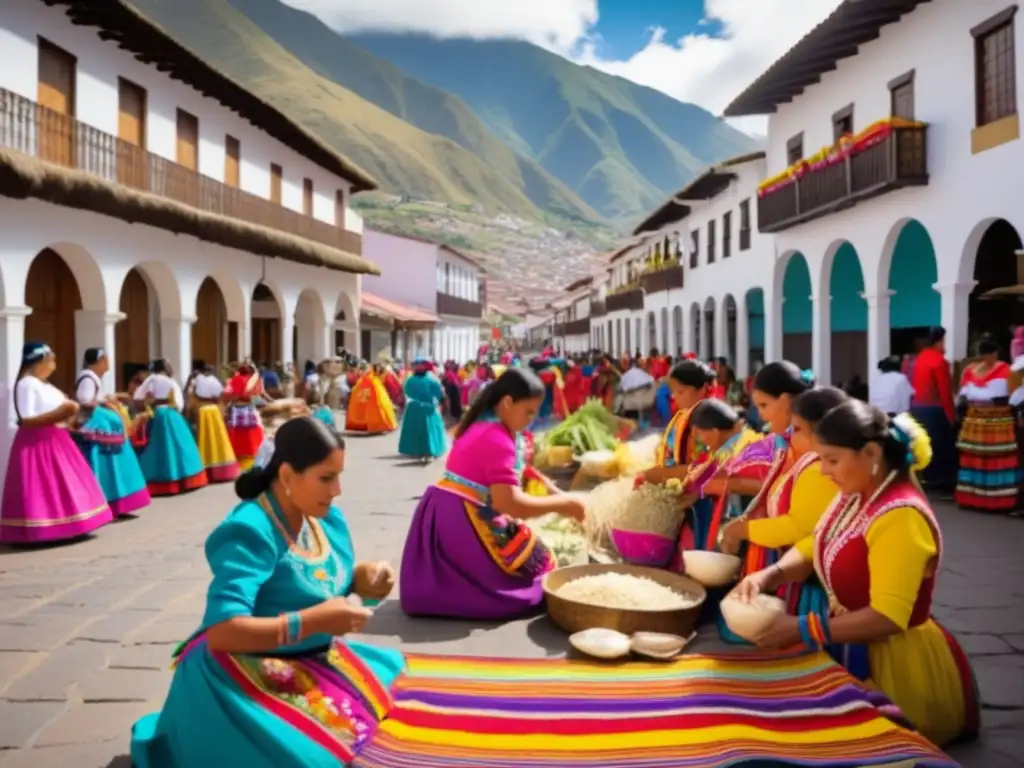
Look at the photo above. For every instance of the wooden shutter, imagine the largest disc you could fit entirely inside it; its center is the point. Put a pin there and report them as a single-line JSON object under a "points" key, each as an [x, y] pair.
{"points": [[232, 161], [276, 179], [131, 130], [307, 197], [188, 140], [56, 97]]}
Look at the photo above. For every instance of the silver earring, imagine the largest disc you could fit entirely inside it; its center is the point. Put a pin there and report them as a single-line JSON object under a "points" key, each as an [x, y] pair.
{"points": [[874, 470]]}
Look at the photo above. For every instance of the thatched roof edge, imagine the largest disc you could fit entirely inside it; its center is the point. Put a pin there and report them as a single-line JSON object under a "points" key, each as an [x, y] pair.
{"points": [[23, 177]]}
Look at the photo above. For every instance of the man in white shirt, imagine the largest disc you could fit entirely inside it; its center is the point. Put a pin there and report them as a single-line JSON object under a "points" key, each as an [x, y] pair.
{"points": [[890, 391], [635, 378]]}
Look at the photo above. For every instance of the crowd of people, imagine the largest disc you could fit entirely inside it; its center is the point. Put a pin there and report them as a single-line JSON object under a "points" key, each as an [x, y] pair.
{"points": [[817, 491]]}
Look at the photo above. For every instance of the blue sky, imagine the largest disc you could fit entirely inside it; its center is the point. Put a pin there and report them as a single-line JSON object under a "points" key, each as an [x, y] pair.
{"points": [[623, 27]]}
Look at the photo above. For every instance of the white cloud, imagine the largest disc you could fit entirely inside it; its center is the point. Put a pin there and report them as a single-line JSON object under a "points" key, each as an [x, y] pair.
{"points": [[699, 68], [554, 24], [711, 71]]}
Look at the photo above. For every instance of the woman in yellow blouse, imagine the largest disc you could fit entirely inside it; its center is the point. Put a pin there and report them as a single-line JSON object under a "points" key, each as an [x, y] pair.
{"points": [[877, 552], [795, 495]]}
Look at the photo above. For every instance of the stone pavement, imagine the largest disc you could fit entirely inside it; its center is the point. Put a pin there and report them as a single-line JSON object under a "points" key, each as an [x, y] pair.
{"points": [[86, 630]]}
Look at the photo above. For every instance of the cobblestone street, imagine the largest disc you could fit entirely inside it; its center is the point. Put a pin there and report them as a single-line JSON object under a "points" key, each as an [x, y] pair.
{"points": [[86, 630]]}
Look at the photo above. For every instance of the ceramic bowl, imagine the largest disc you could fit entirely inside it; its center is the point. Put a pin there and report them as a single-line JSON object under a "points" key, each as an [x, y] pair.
{"points": [[712, 569], [601, 643], [750, 620], [647, 549], [657, 645]]}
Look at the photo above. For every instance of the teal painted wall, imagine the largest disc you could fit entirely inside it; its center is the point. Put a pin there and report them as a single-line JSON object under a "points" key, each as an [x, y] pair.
{"points": [[849, 310], [797, 314], [914, 270], [755, 316]]}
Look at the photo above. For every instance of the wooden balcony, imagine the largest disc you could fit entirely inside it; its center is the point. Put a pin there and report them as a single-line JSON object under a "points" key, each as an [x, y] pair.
{"points": [[579, 327], [37, 131], [453, 305], [899, 160], [631, 299], [598, 309], [558, 330], [663, 279]]}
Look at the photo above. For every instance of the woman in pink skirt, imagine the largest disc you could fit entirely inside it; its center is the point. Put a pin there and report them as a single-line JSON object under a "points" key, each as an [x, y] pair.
{"points": [[50, 493]]}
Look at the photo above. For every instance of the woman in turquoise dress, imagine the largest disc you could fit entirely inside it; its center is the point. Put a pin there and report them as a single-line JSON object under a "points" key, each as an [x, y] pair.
{"points": [[268, 679], [423, 434]]}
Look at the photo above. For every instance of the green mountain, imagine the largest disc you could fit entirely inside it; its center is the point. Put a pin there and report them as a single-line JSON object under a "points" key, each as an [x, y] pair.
{"points": [[621, 146], [425, 163]]}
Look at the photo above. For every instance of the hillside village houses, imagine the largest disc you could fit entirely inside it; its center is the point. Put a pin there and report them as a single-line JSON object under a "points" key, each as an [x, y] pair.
{"points": [[153, 207], [885, 203], [428, 301]]}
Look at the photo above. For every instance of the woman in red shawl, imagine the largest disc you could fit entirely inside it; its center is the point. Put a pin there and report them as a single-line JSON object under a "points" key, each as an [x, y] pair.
{"points": [[245, 430], [576, 389]]}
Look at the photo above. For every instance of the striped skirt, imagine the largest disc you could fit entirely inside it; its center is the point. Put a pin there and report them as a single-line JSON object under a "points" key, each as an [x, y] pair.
{"points": [[989, 475]]}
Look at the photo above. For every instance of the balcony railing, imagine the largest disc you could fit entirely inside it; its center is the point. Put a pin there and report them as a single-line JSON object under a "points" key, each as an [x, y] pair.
{"points": [[899, 160], [631, 299], [38, 131], [598, 309], [663, 279], [579, 327], [453, 305]]}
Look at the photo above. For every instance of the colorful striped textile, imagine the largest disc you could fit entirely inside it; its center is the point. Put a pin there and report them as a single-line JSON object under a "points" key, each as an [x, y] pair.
{"points": [[989, 475], [703, 711]]}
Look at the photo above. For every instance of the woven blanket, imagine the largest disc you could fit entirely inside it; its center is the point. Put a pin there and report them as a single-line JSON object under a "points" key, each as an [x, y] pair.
{"points": [[768, 711]]}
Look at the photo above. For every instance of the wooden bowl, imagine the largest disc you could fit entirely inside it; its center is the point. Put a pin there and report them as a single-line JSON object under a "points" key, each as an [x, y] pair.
{"points": [[712, 569], [576, 617]]}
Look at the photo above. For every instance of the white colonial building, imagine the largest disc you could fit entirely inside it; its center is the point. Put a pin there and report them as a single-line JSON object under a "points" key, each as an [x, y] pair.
{"points": [[436, 295], [691, 279], [572, 329], [893, 194], [153, 207]]}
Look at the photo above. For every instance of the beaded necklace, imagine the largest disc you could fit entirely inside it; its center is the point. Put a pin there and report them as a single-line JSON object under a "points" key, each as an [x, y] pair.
{"points": [[834, 524]]}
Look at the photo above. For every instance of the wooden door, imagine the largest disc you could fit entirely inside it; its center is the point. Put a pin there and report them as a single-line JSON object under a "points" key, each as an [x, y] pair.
{"points": [[188, 140], [52, 292], [131, 130], [56, 97], [211, 322], [276, 182], [266, 340], [233, 343], [232, 161], [131, 335], [307, 197]]}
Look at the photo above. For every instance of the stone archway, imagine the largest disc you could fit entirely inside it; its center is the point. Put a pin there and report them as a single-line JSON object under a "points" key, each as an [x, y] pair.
{"points": [[210, 330], [677, 332], [848, 315], [310, 326], [731, 342], [696, 327], [52, 292], [652, 332], [997, 264], [707, 349], [797, 311], [755, 326], [910, 278], [266, 314]]}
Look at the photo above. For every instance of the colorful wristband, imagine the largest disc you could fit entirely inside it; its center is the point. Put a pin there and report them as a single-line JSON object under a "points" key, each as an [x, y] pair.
{"points": [[293, 625], [805, 633], [814, 629]]}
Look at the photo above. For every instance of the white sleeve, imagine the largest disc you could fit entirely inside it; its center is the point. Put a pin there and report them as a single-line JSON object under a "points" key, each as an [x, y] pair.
{"points": [[26, 397], [87, 391], [144, 388]]}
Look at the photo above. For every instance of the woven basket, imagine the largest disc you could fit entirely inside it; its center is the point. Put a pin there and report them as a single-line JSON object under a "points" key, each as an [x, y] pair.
{"points": [[576, 617]]}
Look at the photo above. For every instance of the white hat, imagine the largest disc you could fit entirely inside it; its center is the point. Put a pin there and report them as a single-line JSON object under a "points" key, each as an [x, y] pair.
{"points": [[1018, 364]]}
